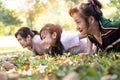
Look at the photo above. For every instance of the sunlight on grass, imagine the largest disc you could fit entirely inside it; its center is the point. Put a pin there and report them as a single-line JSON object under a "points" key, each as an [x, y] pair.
{"points": [[9, 44]]}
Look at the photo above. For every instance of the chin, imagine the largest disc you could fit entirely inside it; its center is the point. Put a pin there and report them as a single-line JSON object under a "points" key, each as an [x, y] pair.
{"points": [[82, 33], [23, 46]]}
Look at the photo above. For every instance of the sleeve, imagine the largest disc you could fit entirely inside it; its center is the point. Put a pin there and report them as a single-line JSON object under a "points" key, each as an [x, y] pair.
{"points": [[38, 45], [107, 23], [69, 40]]}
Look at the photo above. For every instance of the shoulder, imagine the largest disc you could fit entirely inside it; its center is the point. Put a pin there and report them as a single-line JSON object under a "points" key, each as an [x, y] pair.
{"points": [[36, 39], [107, 23], [69, 35], [69, 39]]}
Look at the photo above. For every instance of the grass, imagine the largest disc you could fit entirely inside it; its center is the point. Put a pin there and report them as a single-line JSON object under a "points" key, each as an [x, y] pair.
{"points": [[83, 67]]}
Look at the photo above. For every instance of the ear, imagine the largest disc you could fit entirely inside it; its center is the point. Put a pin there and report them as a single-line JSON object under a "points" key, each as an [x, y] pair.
{"points": [[91, 20], [54, 35], [28, 37]]}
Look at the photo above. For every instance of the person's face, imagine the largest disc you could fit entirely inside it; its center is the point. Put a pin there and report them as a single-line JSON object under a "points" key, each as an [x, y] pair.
{"points": [[25, 42], [81, 24], [48, 39]]}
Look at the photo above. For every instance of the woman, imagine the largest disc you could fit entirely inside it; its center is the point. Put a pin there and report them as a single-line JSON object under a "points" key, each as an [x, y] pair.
{"points": [[89, 20], [30, 39]]}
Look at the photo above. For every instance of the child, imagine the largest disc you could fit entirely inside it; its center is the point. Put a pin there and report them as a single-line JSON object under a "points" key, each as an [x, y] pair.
{"points": [[57, 41], [51, 34], [30, 39]]}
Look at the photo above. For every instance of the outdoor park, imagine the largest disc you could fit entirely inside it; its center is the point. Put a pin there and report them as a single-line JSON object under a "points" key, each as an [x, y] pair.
{"points": [[18, 63]]}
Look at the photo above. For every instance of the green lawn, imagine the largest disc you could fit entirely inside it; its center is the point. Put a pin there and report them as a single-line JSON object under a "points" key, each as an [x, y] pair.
{"points": [[75, 67]]}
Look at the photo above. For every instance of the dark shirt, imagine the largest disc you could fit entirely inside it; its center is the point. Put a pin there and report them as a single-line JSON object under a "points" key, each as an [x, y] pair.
{"points": [[110, 35]]}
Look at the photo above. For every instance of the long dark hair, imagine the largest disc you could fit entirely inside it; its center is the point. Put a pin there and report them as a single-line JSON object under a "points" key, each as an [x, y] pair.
{"points": [[92, 8], [25, 31]]}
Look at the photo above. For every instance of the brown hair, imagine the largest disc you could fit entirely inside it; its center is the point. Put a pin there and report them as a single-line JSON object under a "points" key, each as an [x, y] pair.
{"points": [[92, 8], [51, 28], [25, 31]]}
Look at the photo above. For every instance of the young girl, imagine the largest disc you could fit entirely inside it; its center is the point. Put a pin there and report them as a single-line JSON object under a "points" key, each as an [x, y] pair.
{"points": [[89, 20], [51, 34], [30, 39], [58, 42]]}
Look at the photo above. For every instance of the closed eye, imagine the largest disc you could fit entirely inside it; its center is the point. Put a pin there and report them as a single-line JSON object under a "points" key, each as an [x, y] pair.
{"points": [[42, 37], [78, 22], [19, 39]]}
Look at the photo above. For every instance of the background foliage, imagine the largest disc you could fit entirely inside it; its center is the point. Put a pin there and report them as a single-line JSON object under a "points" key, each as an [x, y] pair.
{"points": [[36, 13]]}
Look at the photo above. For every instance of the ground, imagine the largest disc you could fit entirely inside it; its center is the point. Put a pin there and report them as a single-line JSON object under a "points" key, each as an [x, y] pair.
{"points": [[24, 65]]}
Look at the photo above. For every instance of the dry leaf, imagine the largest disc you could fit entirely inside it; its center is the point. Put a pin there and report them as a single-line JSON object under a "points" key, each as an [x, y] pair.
{"points": [[83, 57], [3, 75], [26, 67], [71, 76], [109, 77], [8, 65]]}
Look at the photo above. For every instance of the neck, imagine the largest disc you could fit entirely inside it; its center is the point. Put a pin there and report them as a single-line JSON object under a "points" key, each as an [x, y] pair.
{"points": [[95, 31], [94, 28]]}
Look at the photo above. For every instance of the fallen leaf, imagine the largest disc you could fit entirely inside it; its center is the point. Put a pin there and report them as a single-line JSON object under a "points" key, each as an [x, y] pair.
{"points": [[71, 76], [3, 75], [109, 77]]}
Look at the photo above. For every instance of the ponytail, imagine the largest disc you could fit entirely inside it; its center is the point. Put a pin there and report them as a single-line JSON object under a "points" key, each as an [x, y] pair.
{"points": [[96, 3], [85, 10], [25, 31], [97, 8], [35, 32]]}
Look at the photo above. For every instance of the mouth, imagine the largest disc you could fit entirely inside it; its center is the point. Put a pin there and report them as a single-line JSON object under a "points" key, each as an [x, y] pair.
{"points": [[80, 30], [23, 46]]}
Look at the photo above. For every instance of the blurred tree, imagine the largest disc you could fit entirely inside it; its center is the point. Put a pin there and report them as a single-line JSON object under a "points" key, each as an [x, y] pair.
{"points": [[30, 11], [116, 4], [75, 1], [8, 17]]}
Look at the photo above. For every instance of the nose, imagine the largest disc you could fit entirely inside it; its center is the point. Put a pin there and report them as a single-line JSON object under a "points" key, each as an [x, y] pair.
{"points": [[46, 45], [77, 27]]}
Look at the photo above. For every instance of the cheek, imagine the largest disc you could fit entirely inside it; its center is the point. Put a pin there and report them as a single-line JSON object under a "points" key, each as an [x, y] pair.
{"points": [[23, 43], [85, 31], [47, 43]]}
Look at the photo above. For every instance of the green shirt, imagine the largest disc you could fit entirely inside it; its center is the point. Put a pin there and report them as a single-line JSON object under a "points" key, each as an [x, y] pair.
{"points": [[107, 23]]}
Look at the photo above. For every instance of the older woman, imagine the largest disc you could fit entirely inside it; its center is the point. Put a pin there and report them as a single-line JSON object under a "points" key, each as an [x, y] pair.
{"points": [[100, 31]]}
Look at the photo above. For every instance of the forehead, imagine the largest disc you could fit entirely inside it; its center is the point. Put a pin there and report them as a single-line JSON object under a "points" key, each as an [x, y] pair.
{"points": [[76, 16], [19, 36], [44, 32]]}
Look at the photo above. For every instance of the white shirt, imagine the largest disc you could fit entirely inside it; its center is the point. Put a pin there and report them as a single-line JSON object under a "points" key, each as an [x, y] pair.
{"points": [[37, 44], [72, 43]]}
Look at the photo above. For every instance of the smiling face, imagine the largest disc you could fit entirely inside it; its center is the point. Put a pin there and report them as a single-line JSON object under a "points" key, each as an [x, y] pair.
{"points": [[81, 24], [48, 39]]}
